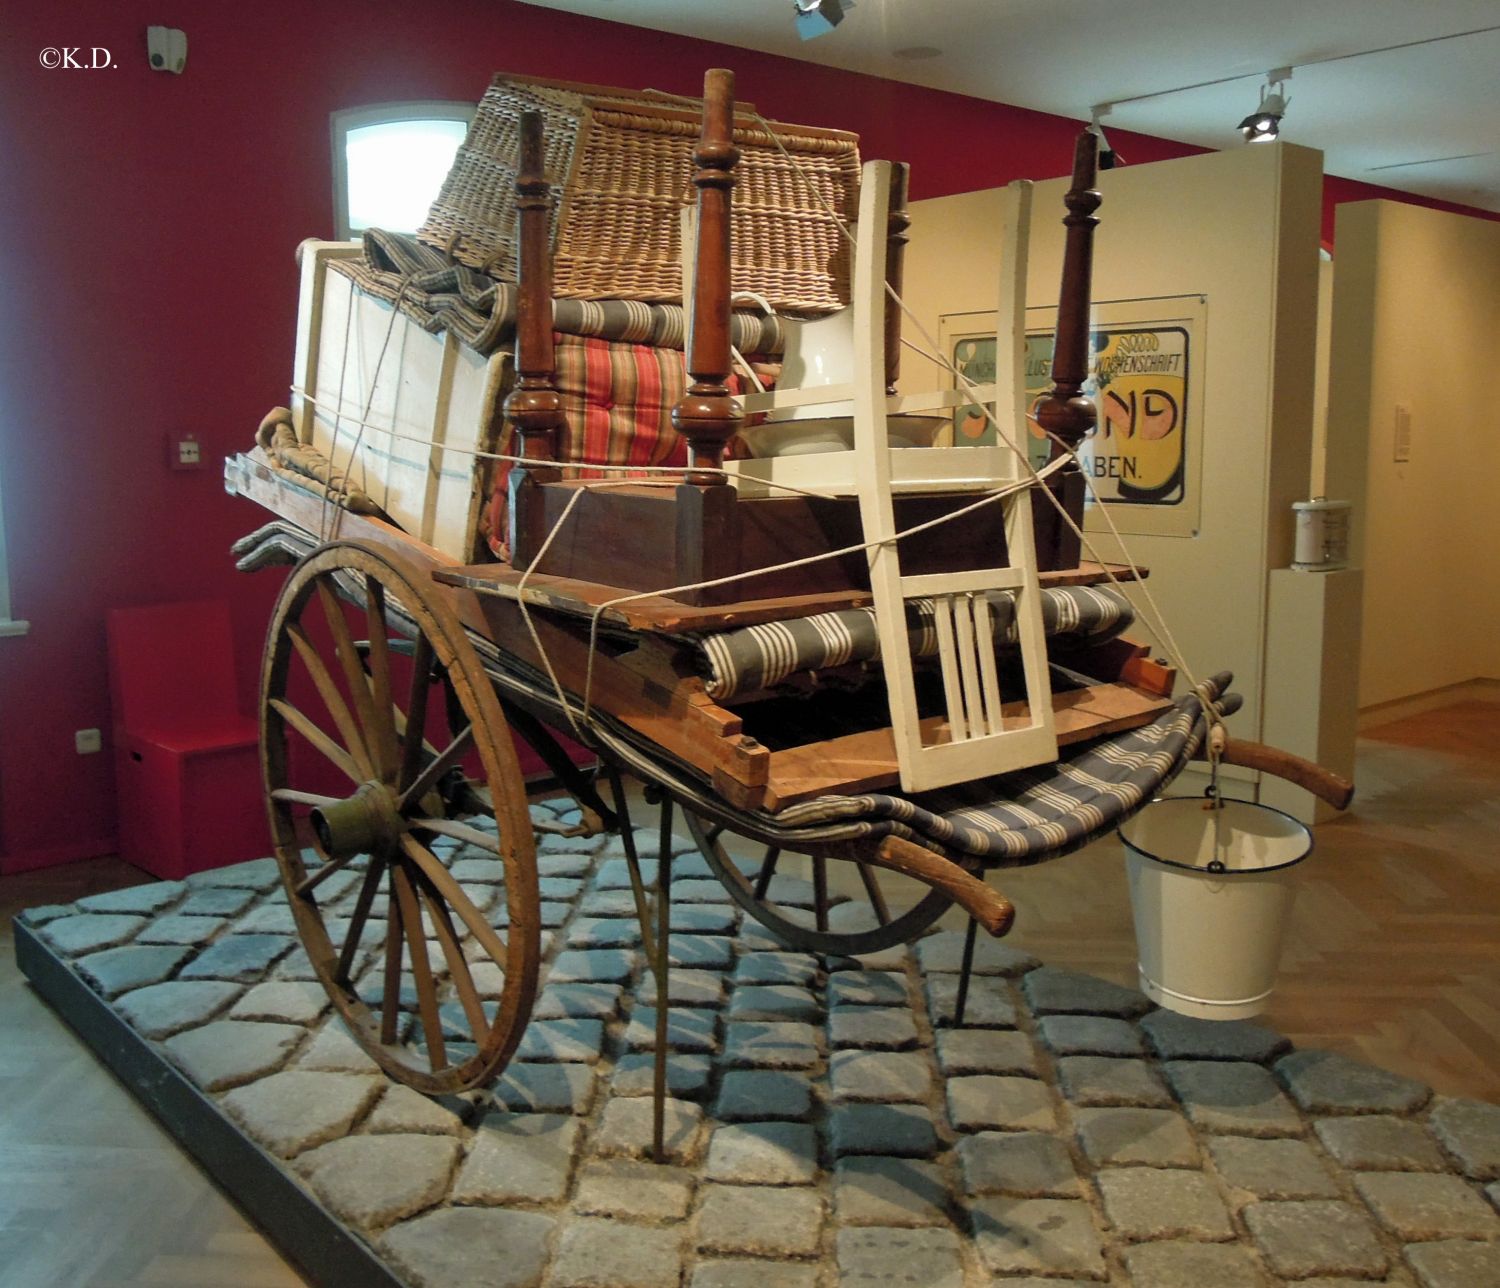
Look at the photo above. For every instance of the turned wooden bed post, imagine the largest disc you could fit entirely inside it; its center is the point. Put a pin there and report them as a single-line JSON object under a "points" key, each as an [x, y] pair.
{"points": [[707, 415], [533, 406], [1064, 411]]}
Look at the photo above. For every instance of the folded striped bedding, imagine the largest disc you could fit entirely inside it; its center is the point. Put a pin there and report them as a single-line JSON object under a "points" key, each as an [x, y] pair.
{"points": [[753, 658], [444, 295], [1040, 813]]}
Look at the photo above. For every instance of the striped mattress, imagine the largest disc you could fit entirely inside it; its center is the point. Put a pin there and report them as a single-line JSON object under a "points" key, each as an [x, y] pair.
{"points": [[1041, 813]]}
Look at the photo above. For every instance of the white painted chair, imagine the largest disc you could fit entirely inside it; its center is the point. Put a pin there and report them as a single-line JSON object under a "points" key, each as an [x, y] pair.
{"points": [[982, 733]]}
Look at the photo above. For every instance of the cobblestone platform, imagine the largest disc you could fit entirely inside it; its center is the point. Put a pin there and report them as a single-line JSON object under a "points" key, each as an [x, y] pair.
{"points": [[828, 1127]]}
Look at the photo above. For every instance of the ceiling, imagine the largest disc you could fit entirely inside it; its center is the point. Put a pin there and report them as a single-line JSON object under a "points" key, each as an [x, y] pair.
{"points": [[1403, 93]]}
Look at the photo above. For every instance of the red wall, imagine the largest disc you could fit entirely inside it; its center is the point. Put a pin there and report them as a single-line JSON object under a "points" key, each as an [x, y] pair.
{"points": [[149, 222]]}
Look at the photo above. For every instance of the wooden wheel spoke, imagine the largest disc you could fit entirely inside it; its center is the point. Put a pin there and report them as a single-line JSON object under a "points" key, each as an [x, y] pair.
{"points": [[459, 831], [353, 738], [321, 742], [458, 966], [390, 1005], [441, 880], [767, 870], [369, 720], [383, 736], [357, 921], [875, 894], [354, 673], [416, 712], [421, 968], [291, 796], [820, 891], [437, 767], [310, 883]]}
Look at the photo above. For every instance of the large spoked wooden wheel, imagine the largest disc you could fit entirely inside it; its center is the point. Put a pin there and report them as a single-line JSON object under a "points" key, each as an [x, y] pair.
{"points": [[861, 909], [362, 744]]}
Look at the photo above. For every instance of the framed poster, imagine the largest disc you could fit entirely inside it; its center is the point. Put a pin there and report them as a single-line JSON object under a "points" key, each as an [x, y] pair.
{"points": [[1144, 456]]}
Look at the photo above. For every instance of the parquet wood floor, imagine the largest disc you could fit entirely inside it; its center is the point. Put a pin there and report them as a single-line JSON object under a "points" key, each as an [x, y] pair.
{"points": [[1393, 956], [93, 1194]]}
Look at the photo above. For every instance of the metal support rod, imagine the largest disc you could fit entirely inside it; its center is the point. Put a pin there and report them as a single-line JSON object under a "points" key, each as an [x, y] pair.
{"points": [[632, 859], [653, 939], [961, 1002], [661, 967]]}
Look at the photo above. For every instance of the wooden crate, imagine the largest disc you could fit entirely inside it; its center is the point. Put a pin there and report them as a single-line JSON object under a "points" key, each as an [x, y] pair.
{"points": [[400, 409]]}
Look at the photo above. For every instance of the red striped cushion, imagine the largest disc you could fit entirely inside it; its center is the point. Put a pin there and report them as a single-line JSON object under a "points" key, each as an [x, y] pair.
{"points": [[618, 400]]}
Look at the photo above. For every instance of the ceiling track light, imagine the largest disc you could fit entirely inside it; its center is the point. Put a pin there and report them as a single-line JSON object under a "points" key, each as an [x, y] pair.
{"points": [[1264, 124], [1108, 157], [819, 17]]}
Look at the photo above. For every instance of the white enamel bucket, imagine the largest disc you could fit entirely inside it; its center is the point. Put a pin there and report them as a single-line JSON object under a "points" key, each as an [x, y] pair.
{"points": [[1211, 892]]}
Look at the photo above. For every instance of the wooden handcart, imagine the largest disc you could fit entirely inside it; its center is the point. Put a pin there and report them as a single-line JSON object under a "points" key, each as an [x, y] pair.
{"points": [[637, 617]]}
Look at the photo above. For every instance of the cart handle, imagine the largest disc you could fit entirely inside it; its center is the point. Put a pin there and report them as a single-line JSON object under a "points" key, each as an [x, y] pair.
{"points": [[987, 906], [1326, 785]]}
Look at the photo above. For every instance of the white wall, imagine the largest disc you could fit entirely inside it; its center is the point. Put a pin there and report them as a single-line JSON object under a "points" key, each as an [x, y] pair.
{"points": [[1241, 229], [1416, 317]]}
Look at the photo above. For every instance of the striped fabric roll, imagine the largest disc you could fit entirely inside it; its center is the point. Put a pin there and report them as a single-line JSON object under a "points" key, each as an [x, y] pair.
{"points": [[1035, 814], [760, 657]]}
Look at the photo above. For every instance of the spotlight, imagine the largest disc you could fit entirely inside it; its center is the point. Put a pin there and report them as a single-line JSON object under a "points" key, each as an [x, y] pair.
{"points": [[1264, 124], [819, 17], [1108, 157]]}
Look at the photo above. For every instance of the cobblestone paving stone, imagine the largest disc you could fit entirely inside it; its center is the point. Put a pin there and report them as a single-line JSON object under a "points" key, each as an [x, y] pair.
{"points": [[372, 1181], [1233, 1097], [1377, 1143], [1163, 1203], [828, 1127], [876, 1257], [1273, 1169], [1470, 1131], [906, 1131], [689, 1077], [633, 1190], [985, 1101], [1105, 1080], [760, 1220], [1042, 1236], [546, 1088], [991, 1003], [596, 1252], [118, 970], [1031, 1164], [890, 1192]]}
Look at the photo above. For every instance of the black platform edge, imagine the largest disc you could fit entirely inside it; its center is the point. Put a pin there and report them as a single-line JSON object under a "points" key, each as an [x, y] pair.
{"points": [[322, 1248]]}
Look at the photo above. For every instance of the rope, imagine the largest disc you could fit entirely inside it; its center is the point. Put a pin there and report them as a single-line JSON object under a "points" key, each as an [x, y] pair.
{"points": [[1156, 619], [337, 520]]}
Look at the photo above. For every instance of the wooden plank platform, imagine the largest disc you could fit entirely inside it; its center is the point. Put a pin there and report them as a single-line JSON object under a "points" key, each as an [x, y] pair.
{"points": [[861, 762], [645, 612]]}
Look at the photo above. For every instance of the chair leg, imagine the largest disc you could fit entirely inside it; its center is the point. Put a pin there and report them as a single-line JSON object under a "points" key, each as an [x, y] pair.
{"points": [[961, 1002]]}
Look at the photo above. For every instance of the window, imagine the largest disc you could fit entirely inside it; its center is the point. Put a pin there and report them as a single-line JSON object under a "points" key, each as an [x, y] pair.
{"points": [[390, 160]]}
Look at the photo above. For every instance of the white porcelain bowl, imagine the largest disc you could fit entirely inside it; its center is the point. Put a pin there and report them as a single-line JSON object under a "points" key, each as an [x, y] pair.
{"points": [[835, 434]]}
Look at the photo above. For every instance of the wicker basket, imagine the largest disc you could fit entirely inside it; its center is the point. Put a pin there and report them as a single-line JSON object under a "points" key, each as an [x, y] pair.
{"points": [[624, 163]]}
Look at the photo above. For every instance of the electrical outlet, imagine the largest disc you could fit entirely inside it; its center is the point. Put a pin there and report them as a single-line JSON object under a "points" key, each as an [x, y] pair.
{"points": [[184, 452], [88, 741], [1402, 436]]}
